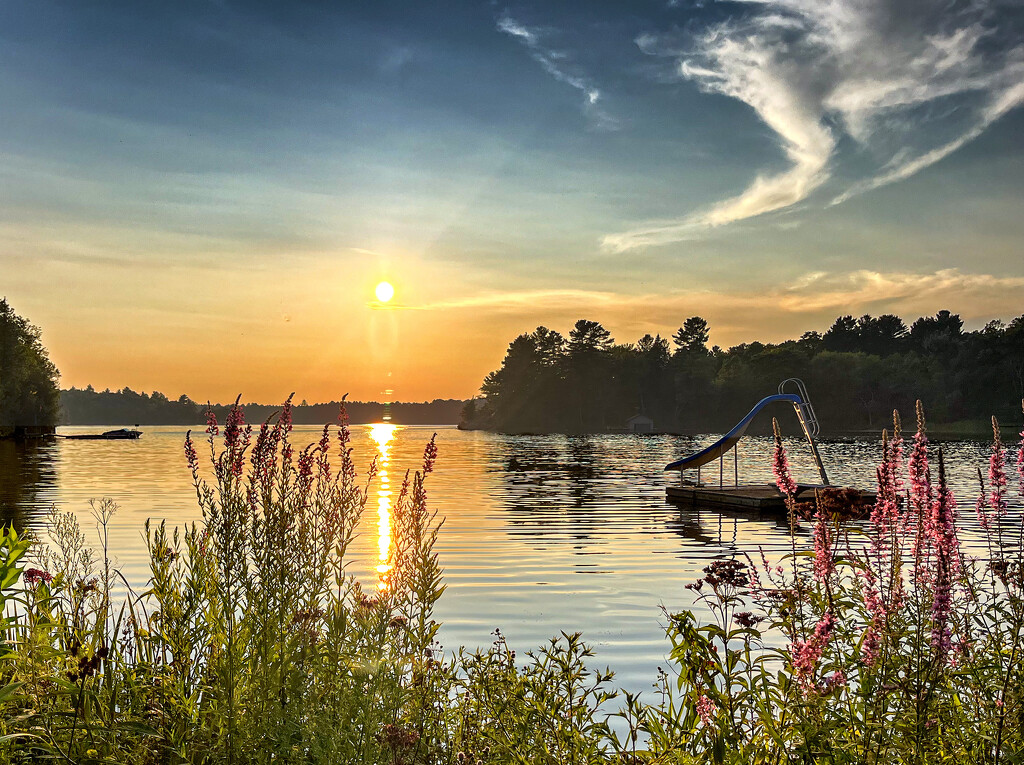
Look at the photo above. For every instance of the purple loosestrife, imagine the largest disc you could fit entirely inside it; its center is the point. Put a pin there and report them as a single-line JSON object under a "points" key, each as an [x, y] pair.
{"points": [[780, 465], [211, 421], [706, 710], [875, 605], [807, 653], [824, 563], [430, 454], [191, 456], [1020, 460], [997, 475], [919, 515], [947, 562], [237, 436]]}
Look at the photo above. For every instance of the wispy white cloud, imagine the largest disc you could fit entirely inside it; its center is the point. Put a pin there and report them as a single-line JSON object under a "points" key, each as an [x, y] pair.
{"points": [[774, 312], [559, 64], [813, 70]]}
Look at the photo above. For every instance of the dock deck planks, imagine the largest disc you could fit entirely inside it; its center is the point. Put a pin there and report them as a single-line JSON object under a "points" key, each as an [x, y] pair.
{"points": [[764, 497]]}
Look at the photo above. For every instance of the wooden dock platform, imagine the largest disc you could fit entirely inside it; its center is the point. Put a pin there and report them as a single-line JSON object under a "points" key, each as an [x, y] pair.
{"points": [[764, 498]]}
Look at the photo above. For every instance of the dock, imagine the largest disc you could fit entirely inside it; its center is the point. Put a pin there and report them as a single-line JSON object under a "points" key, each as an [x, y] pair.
{"points": [[763, 498]]}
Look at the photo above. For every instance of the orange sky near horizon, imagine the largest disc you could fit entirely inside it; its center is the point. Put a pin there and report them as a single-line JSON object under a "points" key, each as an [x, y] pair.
{"points": [[319, 330]]}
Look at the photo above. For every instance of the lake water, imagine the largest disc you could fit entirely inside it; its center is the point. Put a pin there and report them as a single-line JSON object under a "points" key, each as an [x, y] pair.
{"points": [[582, 539]]}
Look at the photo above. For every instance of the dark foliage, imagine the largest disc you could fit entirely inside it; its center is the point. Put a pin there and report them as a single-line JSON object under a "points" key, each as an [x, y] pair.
{"points": [[28, 379], [858, 372]]}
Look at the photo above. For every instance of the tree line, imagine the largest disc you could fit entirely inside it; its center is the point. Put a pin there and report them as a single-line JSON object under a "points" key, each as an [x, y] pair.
{"points": [[857, 373], [86, 406]]}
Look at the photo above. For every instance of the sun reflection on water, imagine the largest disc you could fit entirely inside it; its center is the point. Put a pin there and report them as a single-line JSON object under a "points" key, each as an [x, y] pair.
{"points": [[383, 434]]}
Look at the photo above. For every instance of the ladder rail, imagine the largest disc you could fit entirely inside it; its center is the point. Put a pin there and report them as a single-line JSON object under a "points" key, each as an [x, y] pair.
{"points": [[808, 421]]}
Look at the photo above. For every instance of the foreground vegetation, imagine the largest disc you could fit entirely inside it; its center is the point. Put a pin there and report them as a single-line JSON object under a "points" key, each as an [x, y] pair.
{"points": [[858, 371], [884, 643]]}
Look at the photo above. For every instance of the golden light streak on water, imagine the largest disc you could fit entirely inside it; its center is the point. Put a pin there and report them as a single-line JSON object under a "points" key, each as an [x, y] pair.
{"points": [[382, 435]]}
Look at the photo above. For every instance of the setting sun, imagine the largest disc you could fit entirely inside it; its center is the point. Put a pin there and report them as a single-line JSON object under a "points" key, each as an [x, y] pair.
{"points": [[384, 292]]}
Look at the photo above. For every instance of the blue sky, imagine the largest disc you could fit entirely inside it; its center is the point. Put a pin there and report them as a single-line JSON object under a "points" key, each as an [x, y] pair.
{"points": [[199, 196]]}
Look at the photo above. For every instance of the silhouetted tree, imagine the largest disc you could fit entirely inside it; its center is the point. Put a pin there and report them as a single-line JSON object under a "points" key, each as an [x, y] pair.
{"points": [[881, 336], [843, 335], [28, 379], [693, 336]]}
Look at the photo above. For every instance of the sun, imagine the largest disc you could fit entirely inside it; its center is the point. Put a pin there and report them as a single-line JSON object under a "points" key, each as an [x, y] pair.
{"points": [[384, 292]]}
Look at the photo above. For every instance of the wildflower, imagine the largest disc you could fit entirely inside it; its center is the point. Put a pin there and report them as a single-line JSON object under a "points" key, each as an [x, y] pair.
{"points": [[190, 454], [748, 620], [780, 465], [824, 565], [398, 737], [91, 753], [806, 654], [365, 601], [877, 611], [430, 454], [943, 528], [1020, 459], [284, 422], [727, 573], [706, 709], [836, 680], [917, 466], [34, 576], [211, 421], [997, 474]]}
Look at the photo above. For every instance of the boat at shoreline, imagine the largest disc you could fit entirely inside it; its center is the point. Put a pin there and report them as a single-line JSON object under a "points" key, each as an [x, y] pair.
{"points": [[121, 434]]}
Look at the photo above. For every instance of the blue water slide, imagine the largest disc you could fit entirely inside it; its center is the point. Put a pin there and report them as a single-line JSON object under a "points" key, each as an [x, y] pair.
{"points": [[728, 441]]}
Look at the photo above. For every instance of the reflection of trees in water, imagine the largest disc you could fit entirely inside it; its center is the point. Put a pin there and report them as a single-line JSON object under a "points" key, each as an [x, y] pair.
{"points": [[28, 473]]}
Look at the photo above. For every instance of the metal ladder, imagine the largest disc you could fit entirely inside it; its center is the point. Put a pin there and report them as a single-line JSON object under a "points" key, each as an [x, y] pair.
{"points": [[808, 420]]}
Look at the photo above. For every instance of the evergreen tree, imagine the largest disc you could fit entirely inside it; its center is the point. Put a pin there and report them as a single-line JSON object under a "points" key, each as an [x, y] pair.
{"points": [[28, 379]]}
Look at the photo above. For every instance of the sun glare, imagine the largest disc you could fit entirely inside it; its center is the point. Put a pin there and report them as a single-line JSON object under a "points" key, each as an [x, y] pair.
{"points": [[384, 292]]}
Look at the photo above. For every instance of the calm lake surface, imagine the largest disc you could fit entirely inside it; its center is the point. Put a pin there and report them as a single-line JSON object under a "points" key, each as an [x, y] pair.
{"points": [[581, 539]]}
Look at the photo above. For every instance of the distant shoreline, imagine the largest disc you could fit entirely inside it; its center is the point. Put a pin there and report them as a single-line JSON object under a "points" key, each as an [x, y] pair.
{"points": [[127, 407]]}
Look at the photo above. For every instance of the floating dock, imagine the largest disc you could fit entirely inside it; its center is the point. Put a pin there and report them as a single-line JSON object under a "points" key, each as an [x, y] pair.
{"points": [[764, 497]]}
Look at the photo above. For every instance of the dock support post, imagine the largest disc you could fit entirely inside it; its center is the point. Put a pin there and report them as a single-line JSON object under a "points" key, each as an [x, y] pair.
{"points": [[736, 465], [721, 465]]}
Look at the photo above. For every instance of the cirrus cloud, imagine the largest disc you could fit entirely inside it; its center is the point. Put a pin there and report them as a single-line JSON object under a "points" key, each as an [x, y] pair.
{"points": [[910, 81]]}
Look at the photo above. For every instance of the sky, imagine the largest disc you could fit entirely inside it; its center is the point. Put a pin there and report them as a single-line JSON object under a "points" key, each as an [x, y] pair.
{"points": [[200, 197]]}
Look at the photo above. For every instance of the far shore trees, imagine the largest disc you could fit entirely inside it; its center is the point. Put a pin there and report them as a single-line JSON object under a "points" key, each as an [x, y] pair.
{"points": [[29, 395], [857, 373]]}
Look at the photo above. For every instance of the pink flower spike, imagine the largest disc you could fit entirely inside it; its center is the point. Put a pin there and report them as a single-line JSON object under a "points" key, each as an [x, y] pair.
{"points": [[780, 465], [706, 709]]}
